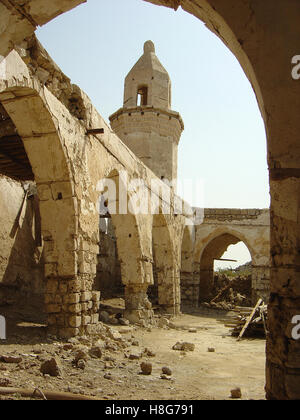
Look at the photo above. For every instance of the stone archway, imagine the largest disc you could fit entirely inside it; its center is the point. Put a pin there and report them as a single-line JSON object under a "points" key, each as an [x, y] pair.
{"points": [[26, 104], [214, 250], [165, 265], [132, 246]]}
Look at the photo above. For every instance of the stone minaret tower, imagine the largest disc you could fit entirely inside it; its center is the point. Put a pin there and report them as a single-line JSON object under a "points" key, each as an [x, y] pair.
{"points": [[146, 123]]}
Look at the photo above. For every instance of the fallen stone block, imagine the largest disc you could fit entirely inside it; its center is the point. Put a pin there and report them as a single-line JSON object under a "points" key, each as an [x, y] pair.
{"points": [[146, 368], [51, 367], [184, 346]]}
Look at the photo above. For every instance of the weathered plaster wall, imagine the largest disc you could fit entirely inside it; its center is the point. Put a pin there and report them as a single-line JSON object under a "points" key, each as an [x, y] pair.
{"points": [[21, 262]]}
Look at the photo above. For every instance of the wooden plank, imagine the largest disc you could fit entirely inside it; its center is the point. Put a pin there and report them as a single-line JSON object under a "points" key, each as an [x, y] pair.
{"points": [[260, 301], [242, 308], [13, 159], [95, 131], [230, 325]]}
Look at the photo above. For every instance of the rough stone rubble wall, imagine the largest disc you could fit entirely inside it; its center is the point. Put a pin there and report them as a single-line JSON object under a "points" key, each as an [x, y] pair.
{"points": [[21, 261]]}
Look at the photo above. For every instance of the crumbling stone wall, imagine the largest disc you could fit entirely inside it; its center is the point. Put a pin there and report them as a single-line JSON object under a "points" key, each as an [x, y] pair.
{"points": [[21, 259]]}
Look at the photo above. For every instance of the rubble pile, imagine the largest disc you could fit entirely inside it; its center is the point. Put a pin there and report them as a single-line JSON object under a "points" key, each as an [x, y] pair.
{"points": [[248, 322], [251, 323], [231, 292]]}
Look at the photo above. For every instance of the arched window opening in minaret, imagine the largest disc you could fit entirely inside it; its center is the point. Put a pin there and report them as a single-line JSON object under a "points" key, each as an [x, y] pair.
{"points": [[142, 96]]}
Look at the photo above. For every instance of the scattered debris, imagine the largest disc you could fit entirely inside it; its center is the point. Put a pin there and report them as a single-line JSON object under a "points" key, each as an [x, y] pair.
{"points": [[96, 352], [166, 371], [184, 346], [149, 353], [80, 355], [165, 377], [81, 364], [236, 393], [11, 359], [249, 322], [100, 366], [4, 382], [230, 292], [135, 356], [146, 368], [51, 367], [163, 322]]}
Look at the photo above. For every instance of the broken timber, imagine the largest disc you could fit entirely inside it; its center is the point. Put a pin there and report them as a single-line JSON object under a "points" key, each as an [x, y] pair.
{"points": [[257, 326], [95, 131], [260, 301]]}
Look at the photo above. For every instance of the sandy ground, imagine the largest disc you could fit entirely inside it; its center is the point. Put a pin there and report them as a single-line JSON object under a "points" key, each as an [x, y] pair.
{"points": [[196, 375]]}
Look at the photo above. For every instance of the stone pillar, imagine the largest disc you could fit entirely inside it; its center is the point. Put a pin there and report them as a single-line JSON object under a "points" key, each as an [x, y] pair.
{"points": [[72, 310], [189, 284], [71, 304], [138, 307], [206, 284], [260, 283], [169, 294], [283, 351]]}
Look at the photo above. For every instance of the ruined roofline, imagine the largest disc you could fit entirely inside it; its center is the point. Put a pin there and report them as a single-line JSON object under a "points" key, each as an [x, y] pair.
{"points": [[44, 68], [225, 210], [234, 214]]}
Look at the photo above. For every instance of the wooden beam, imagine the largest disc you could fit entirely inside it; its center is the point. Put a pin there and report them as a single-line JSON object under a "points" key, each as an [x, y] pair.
{"points": [[13, 159], [15, 138], [95, 131]]}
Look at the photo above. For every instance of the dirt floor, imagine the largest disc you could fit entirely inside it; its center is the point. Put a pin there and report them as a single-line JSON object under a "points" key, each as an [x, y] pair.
{"points": [[115, 374]]}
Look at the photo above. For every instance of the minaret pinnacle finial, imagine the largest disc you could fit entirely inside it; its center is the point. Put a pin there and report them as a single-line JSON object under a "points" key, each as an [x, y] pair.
{"points": [[149, 47]]}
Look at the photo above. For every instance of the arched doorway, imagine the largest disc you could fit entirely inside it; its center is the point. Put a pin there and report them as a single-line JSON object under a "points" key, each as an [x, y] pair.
{"points": [[35, 153], [123, 230], [165, 271], [22, 282], [213, 251]]}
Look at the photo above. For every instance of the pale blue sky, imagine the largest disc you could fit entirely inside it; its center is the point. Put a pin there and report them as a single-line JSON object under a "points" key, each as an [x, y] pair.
{"points": [[224, 141]]}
